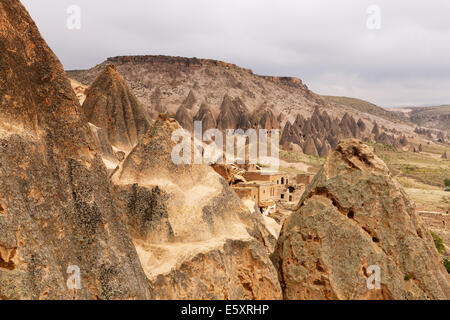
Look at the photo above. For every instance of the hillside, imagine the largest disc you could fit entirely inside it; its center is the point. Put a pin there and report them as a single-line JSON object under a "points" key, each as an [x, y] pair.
{"points": [[164, 83], [436, 117], [366, 107]]}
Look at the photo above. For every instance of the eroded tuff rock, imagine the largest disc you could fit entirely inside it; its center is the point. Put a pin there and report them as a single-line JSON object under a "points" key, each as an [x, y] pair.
{"points": [[185, 118], [352, 216], [109, 156], [205, 115], [233, 114], [310, 147], [321, 131], [111, 105], [203, 243], [264, 118], [190, 100], [57, 208]]}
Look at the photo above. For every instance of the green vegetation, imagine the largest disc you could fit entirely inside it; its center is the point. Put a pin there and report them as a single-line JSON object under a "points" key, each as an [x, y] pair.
{"points": [[439, 243], [408, 277], [292, 156], [420, 167], [447, 183], [447, 264]]}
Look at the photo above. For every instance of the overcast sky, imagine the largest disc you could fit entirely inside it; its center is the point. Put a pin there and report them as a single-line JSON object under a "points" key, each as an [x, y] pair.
{"points": [[326, 43]]}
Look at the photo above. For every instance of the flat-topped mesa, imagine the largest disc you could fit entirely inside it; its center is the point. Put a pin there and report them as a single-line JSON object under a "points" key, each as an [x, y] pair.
{"points": [[194, 63], [290, 81]]}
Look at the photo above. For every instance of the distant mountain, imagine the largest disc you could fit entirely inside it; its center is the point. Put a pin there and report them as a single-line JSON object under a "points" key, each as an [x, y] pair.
{"points": [[230, 95], [436, 117], [187, 83], [366, 107]]}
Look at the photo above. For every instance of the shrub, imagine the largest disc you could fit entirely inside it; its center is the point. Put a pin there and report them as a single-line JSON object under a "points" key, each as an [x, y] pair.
{"points": [[447, 264], [447, 189], [447, 182], [439, 243]]}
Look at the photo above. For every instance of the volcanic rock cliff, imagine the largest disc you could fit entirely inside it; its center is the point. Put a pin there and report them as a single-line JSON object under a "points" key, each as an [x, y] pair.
{"points": [[56, 204], [352, 217], [196, 240]]}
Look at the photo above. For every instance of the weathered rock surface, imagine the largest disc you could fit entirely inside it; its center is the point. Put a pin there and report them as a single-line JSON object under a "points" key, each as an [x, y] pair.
{"points": [[109, 157], [57, 207], [233, 114], [352, 216], [310, 147], [111, 105], [201, 241], [205, 115], [264, 118], [185, 118]]}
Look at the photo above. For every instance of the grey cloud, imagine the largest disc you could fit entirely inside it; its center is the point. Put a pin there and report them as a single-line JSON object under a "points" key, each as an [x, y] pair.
{"points": [[324, 42]]}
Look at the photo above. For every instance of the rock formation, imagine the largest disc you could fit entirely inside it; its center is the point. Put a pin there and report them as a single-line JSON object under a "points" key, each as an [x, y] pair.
{"points": [[327, 132], [325, 150], [264, 118], [109, 157], [203, 243], [205, 115], [185, 118], [362, 126], [290, 136], [403, 141], [310, 147], [354, 215], [157, 106], [111, 105], [233, 114], [57, 207], [190, 100], [376, 130]]}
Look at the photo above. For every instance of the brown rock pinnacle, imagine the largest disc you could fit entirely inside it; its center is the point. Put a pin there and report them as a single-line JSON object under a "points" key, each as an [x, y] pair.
{"points": [[111, 105]]}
